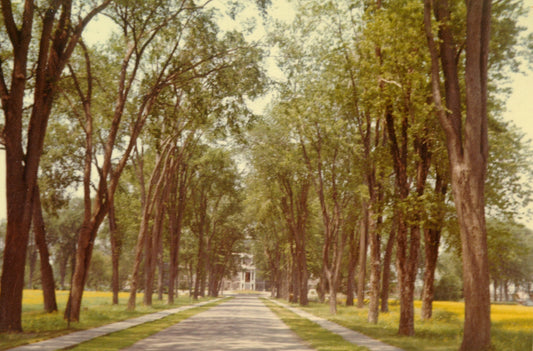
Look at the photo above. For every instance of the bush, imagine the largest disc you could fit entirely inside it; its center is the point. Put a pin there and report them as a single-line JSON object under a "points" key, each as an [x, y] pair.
{"points": [[448, 288]]}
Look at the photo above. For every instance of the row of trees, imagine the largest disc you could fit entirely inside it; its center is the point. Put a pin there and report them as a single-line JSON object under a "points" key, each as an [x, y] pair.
{"points": [[165, 87], [384, 120]]}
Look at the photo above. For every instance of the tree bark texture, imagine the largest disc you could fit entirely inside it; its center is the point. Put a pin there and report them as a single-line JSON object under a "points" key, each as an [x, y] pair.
{"points": [[176, 209], [352, 266], [467, 152], [47, 274], [375, 269], [294, 205], [86, 237], [116, 246], [155, 189], [363, 249], [432, 236], [154, 249], [387, 260]]}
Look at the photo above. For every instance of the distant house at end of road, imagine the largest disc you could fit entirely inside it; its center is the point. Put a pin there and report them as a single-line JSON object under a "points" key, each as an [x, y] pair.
{"points": [[245, 278]]}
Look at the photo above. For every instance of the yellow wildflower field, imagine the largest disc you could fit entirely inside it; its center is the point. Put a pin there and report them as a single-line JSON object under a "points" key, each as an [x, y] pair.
{"points": [[33, 299]]}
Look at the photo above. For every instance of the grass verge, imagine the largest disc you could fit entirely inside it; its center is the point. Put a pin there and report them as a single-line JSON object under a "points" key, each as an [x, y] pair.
{"points": [[97, 310], [313, 334], [128, 337], [511, 326]]}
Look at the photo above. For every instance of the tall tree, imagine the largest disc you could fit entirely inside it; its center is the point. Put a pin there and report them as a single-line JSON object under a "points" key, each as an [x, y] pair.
{"points": [[144, 27], [57, 37], [276, 160], [467, 143]]}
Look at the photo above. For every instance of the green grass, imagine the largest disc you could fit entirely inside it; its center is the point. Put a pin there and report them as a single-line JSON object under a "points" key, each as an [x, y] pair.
{"points": [[511, 326], [313, 334], [97, 310]]}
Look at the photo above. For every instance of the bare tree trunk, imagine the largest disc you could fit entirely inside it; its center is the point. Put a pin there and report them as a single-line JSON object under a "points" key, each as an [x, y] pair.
{"points": [[153, 247], [352, 265], [115, 253], [375, 269], [161, 274], [294, 281], [406, 280], [47, 274], [363, 244], [387, 260], [432, 241], [475, 268], [176, 209], [199, 267], [83, 256], [304, 277], [139, 248]]}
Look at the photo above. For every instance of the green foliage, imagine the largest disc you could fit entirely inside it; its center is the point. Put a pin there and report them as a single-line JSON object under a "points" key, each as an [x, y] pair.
{"points": [[448, 288], [510, 252], [507, 191]]}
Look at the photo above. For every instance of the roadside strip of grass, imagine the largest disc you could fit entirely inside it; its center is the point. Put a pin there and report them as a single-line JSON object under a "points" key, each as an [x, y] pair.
{"points": [[97, 311], [313, 334], [127, 337], [511, 326]]}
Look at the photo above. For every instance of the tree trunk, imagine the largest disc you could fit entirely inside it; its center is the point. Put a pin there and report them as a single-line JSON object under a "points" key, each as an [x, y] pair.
{"points": [[199, 267], [176, 209], [19, 178], [148, 264], [139, 248], [475, 264], [295, 278], [303, 277], [152, 248], [432, 239], [352, 266], [47, 275], [387, 260], [375, 269], [115, 253], [467, 152], [406, 281], [161, 274], [332, 297], [86, 238], [363, 244]]}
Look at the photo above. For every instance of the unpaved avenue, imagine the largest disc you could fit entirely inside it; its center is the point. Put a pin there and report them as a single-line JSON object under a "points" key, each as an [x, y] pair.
{"points": [[243, 323]]}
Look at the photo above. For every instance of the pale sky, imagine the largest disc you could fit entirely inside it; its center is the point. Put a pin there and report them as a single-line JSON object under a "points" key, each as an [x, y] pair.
{"points": [[518, 105]]}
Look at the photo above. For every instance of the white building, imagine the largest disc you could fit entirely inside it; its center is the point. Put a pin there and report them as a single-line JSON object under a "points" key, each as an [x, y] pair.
{"points": [[246, 275]]}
